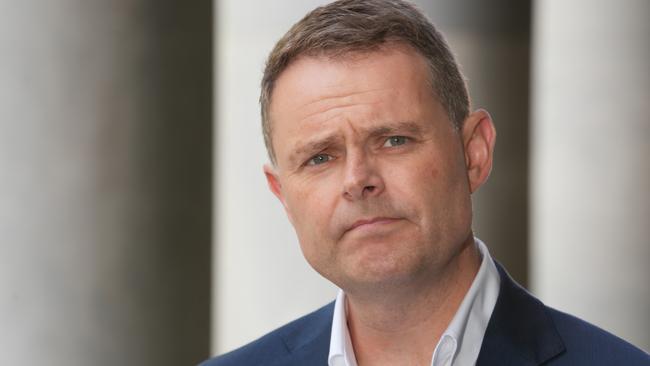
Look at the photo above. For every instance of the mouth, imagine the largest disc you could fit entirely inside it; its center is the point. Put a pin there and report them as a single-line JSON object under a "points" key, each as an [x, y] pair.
{"points": [[371, 223]]}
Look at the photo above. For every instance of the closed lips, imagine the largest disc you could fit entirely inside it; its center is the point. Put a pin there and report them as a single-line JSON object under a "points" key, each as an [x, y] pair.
{"points": [[371, 221]]}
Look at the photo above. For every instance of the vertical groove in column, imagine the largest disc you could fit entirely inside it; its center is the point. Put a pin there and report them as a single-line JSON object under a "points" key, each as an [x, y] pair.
{"points": [[105, 113], [590, 152]]}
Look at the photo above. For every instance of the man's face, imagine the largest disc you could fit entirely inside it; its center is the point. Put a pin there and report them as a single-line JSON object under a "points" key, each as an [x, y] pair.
{"points": [[370, 170]]}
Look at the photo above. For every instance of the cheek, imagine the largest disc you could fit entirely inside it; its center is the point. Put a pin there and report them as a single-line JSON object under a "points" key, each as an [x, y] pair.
{"points": [[437, 187], [433, 173], [311, 205]]}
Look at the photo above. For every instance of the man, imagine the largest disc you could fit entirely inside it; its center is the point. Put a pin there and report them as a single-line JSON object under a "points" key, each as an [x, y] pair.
{"points": [[374, 156]]}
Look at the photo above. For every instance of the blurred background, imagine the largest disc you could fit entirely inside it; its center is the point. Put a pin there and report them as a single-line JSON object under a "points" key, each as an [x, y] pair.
{"points": [[135, 223]]}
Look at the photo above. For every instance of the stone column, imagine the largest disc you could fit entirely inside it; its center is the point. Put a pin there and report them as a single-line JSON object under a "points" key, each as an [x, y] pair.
{"points": [[591, 173], [105, 180], [261, 278]]}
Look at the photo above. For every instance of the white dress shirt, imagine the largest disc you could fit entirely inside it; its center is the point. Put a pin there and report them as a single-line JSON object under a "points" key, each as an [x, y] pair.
{"points": [[460, 343]]}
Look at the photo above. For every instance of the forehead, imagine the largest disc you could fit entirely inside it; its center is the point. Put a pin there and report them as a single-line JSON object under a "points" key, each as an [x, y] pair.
{"points": [[395, 66], [315, 92]]}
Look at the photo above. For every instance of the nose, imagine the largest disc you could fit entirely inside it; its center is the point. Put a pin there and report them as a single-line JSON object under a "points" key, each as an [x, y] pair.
{"points": [[362, 178]]}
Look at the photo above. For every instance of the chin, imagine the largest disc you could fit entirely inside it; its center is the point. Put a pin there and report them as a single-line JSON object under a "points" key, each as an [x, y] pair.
{"points": [[384, 270]]}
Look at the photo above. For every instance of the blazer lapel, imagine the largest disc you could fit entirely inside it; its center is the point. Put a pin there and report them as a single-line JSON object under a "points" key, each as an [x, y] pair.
{"points": [[308, 343], [520, 332], [315, 353]]}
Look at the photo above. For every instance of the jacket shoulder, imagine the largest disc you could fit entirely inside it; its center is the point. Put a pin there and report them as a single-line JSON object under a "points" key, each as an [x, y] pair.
{"points": [[587, 344], [524, 331], [281, 342]]}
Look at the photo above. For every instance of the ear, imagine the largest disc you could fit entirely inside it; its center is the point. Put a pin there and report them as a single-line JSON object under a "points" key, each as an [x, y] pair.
{"points": [[273, 182], [479, 136]]}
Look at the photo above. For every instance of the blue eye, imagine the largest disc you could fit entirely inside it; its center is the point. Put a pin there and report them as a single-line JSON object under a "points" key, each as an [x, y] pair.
{"points": [[319, 159], [395, 141]]}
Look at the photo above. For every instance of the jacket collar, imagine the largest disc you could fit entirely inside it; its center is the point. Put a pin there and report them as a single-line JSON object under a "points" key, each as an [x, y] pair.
{"points": [[520, 331]]}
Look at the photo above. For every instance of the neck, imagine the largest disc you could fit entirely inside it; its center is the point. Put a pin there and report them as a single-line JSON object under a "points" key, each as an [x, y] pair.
{"points": [[403, 325]]}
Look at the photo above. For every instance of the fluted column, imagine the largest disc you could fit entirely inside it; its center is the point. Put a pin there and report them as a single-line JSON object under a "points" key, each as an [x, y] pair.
{"points": [[591, 204], [261, 278], [105, 164]]}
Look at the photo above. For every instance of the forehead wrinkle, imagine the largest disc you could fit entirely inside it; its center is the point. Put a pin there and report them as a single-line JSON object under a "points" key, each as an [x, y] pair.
{"points": [[321, 117], [329, 102]]}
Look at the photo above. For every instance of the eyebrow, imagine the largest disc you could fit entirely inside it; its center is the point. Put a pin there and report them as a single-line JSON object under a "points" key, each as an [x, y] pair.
{"points": [[312, 147], [321, 143], [396, 128]]}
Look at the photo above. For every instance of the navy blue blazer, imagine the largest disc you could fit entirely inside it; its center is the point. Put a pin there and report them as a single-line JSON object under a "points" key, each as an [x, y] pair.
{"points": [[522, 331]]}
